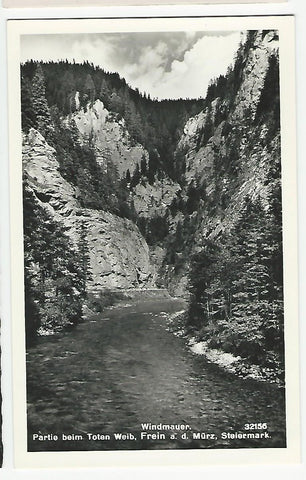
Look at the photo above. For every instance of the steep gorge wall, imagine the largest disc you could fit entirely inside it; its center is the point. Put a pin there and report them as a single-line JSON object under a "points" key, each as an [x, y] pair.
{"points": [[109, 137], [241, 112], [119, 255], [233, 163], [113, 143]]}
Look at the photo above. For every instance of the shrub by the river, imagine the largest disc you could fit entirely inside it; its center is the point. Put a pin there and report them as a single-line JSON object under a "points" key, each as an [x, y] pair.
{"points": [[105, 298]]}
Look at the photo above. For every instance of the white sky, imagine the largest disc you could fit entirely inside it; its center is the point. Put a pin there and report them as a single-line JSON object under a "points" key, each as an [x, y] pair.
{"points": [[165, 65]]}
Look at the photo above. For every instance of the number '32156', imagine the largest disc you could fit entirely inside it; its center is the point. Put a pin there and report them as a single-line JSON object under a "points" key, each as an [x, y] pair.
{"points": [[255, 426]]}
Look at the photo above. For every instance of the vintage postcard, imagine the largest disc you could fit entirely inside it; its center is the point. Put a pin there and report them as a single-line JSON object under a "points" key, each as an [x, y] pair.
{"points": [[154, 269]]}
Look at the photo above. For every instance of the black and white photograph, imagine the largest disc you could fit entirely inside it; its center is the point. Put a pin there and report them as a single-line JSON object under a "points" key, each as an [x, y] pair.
{"points": [[153, 245]]}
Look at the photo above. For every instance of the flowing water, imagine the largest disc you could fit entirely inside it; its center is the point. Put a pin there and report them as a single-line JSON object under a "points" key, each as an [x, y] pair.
{"points": [[122, 369]]}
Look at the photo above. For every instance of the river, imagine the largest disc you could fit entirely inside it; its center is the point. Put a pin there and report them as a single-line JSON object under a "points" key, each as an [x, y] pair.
{"points": [[123, 368]]}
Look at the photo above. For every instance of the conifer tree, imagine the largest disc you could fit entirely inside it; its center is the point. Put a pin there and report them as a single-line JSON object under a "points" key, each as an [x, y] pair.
{"points": [[84, 259], [89, 90], [143, 166], [136, 176], [39, 102], [128, 176], [28, 116], [52, 273], [104, 92]]}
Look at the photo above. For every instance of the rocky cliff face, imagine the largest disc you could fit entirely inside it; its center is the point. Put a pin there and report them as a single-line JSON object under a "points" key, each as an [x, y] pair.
{"points": [[229, 152], [109, 137], [154, 200], [112, 143], [119, 255], [239, 122]]}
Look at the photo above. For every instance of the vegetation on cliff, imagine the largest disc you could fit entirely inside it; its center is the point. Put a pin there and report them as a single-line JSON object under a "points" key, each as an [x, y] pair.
{"points": [[236, 271], [236, 289], [55, 272], [157, 125], [223, 228]]}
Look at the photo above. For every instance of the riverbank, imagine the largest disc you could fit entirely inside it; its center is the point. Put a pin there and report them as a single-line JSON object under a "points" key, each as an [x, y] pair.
{"points": [[98, 300], [237, 365]]}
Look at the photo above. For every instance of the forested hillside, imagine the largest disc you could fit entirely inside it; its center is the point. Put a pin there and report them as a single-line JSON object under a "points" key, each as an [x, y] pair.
{"points": [[122, 191], [157, 125], [229, 228]]}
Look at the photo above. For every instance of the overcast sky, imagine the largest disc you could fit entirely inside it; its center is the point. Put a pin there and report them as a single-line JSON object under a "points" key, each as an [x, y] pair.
{"points": [[165, 65]]}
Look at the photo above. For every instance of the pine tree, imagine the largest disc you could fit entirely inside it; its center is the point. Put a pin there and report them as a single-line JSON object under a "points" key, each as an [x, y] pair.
{"points": [[104, 92], [84, 259], [143, 166], [128, 176], [40, 104], [52, 273], [89, 90], [28, 116], [202, 272], [136, 177], [68, 92]]}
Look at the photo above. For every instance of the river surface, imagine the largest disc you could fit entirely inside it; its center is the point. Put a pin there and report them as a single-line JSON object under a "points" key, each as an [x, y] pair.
{"points": [[123, 368]]}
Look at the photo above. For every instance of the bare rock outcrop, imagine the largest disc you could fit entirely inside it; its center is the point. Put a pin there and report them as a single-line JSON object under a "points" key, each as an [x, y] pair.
{"points": [[154, 200], [235, 134], [119, 255], [109, 137], [228, 156]]}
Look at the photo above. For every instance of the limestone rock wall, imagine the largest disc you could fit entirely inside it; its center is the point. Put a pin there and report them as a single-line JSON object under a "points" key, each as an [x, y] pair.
{"points": [[154, 200], [255, 151], [119, 255], [109, 136]]}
